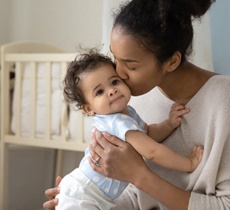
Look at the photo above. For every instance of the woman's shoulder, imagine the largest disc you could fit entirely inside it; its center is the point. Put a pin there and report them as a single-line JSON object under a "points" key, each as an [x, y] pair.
{"points": [[218, 82], [215, 89], [218, 87]]}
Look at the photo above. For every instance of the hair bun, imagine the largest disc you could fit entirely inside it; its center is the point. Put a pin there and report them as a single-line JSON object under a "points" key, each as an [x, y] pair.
{"points": [[191, 8]]}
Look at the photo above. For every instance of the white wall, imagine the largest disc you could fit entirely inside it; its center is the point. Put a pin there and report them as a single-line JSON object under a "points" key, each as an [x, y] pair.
{"points": [[65, 24], [3, 21]]}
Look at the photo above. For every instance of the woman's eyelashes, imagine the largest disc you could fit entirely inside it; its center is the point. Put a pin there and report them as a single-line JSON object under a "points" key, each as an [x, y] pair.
{"points": [[132, 68], [125, 64]]}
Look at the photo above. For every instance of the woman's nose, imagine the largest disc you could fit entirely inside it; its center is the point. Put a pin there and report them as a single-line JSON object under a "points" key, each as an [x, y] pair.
{"points": [[121, 71]]}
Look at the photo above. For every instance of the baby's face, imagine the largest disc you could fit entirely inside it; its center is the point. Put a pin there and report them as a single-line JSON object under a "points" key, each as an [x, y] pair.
{"points": [[104, 91]]}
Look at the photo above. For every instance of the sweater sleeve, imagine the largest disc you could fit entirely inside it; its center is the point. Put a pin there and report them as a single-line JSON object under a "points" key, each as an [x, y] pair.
{"points": [[208, 202], [212, 189]]}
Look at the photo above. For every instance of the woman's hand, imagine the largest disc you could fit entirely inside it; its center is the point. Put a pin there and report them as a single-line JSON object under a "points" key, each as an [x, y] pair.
{"points": [[118, 159], [50, 194]]}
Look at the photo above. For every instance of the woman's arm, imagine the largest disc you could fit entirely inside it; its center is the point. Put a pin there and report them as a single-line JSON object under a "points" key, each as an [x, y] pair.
{"points": [[116, 154], [166, 193]]}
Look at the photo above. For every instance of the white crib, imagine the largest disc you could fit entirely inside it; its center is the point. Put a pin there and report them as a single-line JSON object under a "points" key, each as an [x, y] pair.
{"points": [[35, 114]]}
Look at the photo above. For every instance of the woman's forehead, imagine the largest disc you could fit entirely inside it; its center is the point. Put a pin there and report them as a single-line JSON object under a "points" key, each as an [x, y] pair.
{"points": [[124, 46]]}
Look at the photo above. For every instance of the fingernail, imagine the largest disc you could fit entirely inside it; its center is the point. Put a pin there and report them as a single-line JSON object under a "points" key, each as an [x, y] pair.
{"points": [[55, 201], [58, 189], [93, 130], [98, 134], [106, 134]]}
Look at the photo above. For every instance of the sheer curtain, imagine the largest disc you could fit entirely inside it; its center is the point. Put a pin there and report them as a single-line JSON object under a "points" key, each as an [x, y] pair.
{"points": [[202, 47], [107, 21]]}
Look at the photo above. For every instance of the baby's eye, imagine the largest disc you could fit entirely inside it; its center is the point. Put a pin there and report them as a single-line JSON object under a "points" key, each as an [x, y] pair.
{"points": [[99, 92], [114, 82]]}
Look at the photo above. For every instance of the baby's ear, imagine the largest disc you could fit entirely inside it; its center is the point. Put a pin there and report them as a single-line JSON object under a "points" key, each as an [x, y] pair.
{"points": [[88, 110]]}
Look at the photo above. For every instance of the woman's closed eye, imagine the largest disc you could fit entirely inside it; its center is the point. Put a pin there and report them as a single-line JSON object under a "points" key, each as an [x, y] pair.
{"points": [[131, 68]]}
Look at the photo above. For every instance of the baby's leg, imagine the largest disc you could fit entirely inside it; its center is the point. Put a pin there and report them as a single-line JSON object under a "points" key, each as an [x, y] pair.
{"points": [[196, 156], [127, 200], [73, 195]]}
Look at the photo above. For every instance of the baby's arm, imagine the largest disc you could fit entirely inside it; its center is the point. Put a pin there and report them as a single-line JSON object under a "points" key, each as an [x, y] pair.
{"points": [[162, 130], [161, 154]]}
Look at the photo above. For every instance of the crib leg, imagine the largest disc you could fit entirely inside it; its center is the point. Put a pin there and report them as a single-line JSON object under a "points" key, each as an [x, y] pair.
{"points": [[4, 162], [58, 166]]}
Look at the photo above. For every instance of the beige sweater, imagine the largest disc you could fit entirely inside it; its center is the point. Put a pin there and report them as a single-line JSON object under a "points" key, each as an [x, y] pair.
{"points": [[208, 123]]}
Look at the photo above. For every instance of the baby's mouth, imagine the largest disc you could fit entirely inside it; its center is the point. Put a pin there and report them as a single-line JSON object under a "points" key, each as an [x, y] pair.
{"points": [[116, 99]]}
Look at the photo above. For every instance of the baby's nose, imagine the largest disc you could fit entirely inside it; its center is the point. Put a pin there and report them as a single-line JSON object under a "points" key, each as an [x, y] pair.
{"points": [[112, 91]]}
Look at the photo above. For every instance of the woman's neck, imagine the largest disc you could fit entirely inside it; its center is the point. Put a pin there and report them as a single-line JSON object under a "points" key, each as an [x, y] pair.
{"points": [[184, 82]]}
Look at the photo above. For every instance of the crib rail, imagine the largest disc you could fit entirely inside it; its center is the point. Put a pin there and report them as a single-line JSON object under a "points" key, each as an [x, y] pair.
{"points": [[63, 141]]}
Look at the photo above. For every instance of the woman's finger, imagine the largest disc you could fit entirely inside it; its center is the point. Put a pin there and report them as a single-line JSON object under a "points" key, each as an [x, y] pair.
{"points": [[95, 147], [114, 140], [99, 168], [100, 139]]}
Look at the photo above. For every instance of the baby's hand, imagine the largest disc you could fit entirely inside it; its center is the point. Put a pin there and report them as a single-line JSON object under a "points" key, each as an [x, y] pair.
{"points": [[195, 157], [177, 110]]}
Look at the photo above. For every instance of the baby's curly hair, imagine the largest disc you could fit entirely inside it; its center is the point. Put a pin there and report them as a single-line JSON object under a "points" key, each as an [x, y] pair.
{"points": [[85, 62]]}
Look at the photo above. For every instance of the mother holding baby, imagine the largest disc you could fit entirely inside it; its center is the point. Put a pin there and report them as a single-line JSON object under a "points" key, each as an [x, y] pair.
{"points": [[151, 41]]}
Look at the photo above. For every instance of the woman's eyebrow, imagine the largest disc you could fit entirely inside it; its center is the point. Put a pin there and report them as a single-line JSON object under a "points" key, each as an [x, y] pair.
{"points": [[130, 60]]}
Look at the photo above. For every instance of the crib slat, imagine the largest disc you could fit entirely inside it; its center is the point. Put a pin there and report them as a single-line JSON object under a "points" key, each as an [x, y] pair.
{"points": [[64, 111], [48, 100], [18, 96], [80, 128], [5, 94], [33, 81]]}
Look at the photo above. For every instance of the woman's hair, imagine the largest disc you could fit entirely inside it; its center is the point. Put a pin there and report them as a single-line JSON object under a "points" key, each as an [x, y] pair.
{"points": [[162, 26], [86, 62]]}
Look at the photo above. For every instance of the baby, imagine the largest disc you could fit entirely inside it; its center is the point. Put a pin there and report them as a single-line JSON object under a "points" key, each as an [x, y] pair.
{"points": [[92, 83]]}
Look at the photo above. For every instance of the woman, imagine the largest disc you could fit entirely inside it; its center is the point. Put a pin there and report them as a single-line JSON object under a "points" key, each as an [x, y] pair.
{"points": [[151, 41]]}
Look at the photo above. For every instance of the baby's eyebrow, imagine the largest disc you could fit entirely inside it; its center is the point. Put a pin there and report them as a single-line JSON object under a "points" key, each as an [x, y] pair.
{"points": [[96, 87]]}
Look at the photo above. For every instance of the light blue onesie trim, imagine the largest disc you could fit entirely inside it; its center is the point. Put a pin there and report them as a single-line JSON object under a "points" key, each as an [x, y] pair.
{"points": [[117, 125]]}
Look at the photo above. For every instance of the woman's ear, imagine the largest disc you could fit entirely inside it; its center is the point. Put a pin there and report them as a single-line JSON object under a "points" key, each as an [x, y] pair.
{"points": [[173, 62], [88, 110]]}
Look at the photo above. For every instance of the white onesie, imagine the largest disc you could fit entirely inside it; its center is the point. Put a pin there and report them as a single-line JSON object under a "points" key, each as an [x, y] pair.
{"points": [[84, 188]]}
